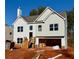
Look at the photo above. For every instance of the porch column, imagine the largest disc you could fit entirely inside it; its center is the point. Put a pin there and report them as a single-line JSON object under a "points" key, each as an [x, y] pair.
{"points": [[63, 44], [37, 42]]}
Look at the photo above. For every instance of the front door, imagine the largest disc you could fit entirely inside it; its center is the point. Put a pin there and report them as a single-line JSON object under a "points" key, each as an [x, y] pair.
{"points": [[30, 34]]}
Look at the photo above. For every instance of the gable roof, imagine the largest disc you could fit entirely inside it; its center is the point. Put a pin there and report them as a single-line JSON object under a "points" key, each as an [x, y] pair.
{"points": [[30, 18], [62, 15], [33, 18]]}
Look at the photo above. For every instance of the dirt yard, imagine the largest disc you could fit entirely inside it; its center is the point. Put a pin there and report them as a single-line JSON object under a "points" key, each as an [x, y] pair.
{"points": [[43, 53]]}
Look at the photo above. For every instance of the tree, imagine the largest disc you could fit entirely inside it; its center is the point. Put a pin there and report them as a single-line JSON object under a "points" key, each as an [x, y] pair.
{"points": [[70, 17], [37, 11], [33, 12], [41, 9]]}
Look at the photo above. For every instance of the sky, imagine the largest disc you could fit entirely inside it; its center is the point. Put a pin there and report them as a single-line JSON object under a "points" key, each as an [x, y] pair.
{"points": [[27, 5]]}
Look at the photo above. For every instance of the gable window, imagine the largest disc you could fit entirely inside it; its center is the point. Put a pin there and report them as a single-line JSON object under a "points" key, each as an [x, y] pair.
{"points": [[19, 40], [39, 28], [31, 27], [55, 27], [20, 28], [51, 27]]}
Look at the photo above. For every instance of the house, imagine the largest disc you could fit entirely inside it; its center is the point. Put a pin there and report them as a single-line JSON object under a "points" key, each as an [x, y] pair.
{"points": [[49, 27], [8, 36]]}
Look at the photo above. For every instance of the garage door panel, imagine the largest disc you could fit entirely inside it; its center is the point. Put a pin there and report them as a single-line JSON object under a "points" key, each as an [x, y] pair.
{"points": [[51, 42]]}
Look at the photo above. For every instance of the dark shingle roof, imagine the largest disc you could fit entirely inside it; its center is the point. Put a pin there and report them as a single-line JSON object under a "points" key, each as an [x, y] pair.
{"points": [[33, 18], [30, 18]]}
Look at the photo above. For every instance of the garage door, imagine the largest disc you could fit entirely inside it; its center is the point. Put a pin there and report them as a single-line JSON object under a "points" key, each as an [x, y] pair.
{"points": [[51, 42]]}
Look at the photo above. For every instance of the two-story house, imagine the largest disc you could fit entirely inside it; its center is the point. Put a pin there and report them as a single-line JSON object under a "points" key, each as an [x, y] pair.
{"points": [[49, 27]]}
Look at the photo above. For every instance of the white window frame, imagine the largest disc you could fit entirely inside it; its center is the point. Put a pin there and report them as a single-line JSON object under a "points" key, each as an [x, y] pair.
{"points": [[30, 27], [20, 40], [51, 28], [20, 29], [56, 27], [39, 27]]}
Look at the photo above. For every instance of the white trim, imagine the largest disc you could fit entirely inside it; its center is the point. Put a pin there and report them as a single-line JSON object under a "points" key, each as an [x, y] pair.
{"points": [[48, 15], [40, 14], [56, 12], [17, 19], [37, 41], [65, 23], [51, 38]]}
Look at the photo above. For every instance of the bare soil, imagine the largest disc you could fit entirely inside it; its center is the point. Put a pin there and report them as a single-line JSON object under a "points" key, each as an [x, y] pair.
{"points": [[31, 53]]}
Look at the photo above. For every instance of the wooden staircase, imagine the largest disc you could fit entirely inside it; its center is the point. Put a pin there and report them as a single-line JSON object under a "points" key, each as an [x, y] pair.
{"points": [[28, 44]]}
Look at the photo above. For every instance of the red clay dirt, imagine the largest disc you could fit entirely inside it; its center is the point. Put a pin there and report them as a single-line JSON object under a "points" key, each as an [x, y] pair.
{"points": [[32, 53]]}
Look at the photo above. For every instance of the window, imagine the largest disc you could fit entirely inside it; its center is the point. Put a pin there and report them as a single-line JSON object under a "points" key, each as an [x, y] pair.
{"points": [[10, 33], [31, 28], [51, 27], [39, 28], [20, 28], [55, 27], [19, 40]]}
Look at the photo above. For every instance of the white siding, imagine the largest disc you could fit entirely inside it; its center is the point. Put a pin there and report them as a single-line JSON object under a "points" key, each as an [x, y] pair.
{"points": [[44, 15], [45, 28], [28, 30], [53, 19], [20, 22]]}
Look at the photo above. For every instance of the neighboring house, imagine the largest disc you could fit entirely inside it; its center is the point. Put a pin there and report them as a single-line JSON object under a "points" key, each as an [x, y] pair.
{"points": [[49, 27], [8, 36]]}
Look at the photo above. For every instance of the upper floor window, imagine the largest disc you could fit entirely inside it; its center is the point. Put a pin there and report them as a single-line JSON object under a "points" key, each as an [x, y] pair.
{"points": [[31, 27], [51, 27], [39, 27], [19, 40], [55, 27], [10, 33], [20, 28]]}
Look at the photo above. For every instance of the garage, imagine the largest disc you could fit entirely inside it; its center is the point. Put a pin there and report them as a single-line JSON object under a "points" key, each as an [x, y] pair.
{"points": [[51, 42]]}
